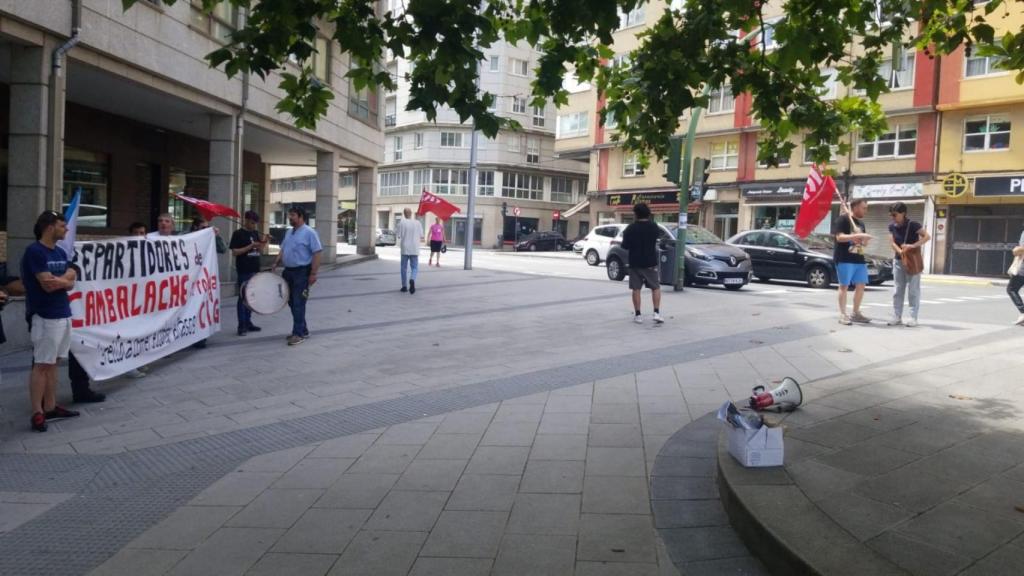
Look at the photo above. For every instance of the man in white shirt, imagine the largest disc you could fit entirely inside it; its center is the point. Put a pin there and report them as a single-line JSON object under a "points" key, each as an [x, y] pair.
{"points": [[410, 236]]}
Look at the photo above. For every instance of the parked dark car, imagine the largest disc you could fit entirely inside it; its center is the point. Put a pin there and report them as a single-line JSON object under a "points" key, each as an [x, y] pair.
{"points": [[781, 255], [709, 260], [543, 241]]}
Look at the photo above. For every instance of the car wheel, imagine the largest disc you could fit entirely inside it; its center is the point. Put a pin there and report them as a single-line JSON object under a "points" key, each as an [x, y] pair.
{"points": [[733, 287], [533, 247], [818, 277], [592, 258], [615, 270], [764, 279]]}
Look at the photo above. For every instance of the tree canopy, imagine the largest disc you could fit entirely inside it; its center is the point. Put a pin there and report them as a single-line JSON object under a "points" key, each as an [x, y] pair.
{"points": [[693, 45]]}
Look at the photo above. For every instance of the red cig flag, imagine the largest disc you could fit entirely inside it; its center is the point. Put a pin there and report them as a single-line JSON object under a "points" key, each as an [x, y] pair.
{"points": [[209, 209], [817, 202], [432, 203]]}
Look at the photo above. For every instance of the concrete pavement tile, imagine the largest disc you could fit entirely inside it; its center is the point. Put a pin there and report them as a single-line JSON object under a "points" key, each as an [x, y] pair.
{"points": [[230, 551], [603, 461], [909, 488], [186, 528], [526, 413], [561, 423], [484, 492], [739, 566], [466, 534], [867, 460], [545, 514], [345, 447], [679, 488], [881, 418], [1003, 446], [615, 569], [586, 389], [379, 554], [536, 555], [615, 414], [14, 514], [833, 433], [384, 460], [559, 447], [797, 450], [961, 465], [818, 480], [275, 508], [409, 433], [1006, 561], [863, 517], [1015, 473], [660, 424], [917, 557], [315, 473], [658, 382], [465, 423], [540, 398], [451, 567], [280, 461], [568, 404], [688, 513], [509, 434], [921, 439], [431, 475], [408, 511], [705, 543], [236, 489], [293, 565], [653, 445], [616, 495], [357, 491], [683, 466], [812, 413], [498, 460], [962, 530], [618, 394], [616, 538], [553, 476], [139, 563], [664, 405], [997, 495], [322, 531], [114, 443], [615, 435], [850, 400], [449, 447]]}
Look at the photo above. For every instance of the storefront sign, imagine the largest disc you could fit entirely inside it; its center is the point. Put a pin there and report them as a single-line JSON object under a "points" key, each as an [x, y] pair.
{"points": [[649, 198], [999, 186], [140, 299], [898, 190], [784, 190]]}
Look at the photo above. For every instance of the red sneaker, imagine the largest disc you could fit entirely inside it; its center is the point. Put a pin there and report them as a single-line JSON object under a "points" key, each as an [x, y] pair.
{"points": [[39, 422]]}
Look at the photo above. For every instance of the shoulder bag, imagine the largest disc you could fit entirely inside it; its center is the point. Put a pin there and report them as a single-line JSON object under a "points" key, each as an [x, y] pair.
{"points": [[1015, 268], [911, 258]]}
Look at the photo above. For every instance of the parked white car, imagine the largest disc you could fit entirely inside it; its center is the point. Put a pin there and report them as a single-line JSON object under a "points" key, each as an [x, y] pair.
{"points": [[597, 242]]}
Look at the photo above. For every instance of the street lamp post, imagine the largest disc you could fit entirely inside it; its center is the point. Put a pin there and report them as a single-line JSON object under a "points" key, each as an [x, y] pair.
{"points": [[684, 197]]}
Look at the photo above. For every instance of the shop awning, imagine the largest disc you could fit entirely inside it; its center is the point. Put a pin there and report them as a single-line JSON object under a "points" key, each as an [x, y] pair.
{"points": [[575, 209]]}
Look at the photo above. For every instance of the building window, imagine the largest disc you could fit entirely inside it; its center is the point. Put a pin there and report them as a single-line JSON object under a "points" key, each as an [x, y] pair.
{"points": [[539, 112], [532, 150], [346, 180], [519, 67], [572, 125], [219, 22], [518, 105], [631, 166], [782, 162], [522, 186], [362, 104], [485, 183], [768, 33], [986, 133], [899, 79], [492, 106], [495, 63], [610, 121], [634, 17], [417, 140], [901, 142], [322, 59], [721, 100], [394, 183], [420, 180], [561, 189], [398, 148], [833, 154], [830, 91], [450, 181], [390, 112], [89, 171], [725, 155], [982, 66], [451, 139], [515, 143]]}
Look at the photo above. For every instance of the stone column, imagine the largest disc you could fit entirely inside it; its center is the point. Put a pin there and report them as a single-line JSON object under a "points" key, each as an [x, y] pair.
{"points": [[327, 204], [27, 194], [366, 194], [222, 188]]}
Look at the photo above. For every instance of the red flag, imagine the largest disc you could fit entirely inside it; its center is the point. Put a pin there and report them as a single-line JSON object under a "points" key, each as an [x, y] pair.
{"points": [[209, 209], [432, 203], [817, 202]]}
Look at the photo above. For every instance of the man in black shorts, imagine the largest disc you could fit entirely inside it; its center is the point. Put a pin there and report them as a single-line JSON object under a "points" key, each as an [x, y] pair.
{"points": [[640, 239]]}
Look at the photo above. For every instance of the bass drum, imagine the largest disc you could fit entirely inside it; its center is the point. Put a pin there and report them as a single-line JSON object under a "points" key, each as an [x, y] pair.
{"points": [[265, 293]]}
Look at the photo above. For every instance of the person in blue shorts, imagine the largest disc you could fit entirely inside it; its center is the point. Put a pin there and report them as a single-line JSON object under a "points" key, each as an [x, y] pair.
{"points": [[851, 266]]}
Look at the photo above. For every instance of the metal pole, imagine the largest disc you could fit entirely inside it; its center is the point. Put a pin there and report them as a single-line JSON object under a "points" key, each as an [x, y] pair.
{"points": [[684, 197], [471, 201]]}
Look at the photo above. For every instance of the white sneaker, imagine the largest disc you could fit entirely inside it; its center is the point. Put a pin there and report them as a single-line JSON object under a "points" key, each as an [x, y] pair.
{"points": [[895, 321], [912, 323], [1020, 320], [658, 319], [638, 319]]}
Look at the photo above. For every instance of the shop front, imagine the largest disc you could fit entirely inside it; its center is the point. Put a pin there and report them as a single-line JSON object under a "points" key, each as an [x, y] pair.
{"points": [[881, 196], [664, 205], [985, 227], [775, 206]]}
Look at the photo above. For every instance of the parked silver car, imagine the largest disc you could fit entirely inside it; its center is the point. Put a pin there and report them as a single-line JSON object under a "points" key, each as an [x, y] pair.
{"points": [[386, 237]]}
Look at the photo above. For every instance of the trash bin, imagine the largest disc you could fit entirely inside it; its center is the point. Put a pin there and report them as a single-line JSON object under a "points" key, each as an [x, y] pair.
{"points": [[666, 262]]}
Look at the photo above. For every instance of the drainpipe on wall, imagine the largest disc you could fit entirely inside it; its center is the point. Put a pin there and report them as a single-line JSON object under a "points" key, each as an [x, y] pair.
{"points": [[240, 132], [58, 81]]}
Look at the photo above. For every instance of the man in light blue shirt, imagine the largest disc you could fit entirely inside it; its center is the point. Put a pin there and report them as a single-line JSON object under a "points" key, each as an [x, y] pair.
{"points": [[300, 253]]}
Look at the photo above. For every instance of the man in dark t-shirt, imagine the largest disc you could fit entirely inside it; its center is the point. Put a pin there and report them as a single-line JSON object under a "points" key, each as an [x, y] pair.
{"points": [[640, 239], [246, 245], [851, 266]]}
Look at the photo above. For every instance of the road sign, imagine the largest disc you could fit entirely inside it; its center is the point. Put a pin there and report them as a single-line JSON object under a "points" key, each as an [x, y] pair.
{"points": [[516, 211], [954, 185], [556, 215]]}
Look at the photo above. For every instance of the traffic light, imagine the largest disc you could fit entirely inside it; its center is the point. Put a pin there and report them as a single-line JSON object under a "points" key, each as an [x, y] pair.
{"points": [[675, 159], [504, 208], [699, 178]]}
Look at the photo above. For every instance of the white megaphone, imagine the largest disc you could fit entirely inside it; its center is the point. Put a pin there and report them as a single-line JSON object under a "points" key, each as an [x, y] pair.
{"points": [[787, 396]]}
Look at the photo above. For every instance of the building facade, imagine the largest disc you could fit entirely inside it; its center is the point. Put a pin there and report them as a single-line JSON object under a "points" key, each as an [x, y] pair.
{"points": [[517, 170], [133, 114], [946, 115]]}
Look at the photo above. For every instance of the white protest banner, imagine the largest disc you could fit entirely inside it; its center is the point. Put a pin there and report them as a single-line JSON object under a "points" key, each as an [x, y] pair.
{"points": [[139, 299]]}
